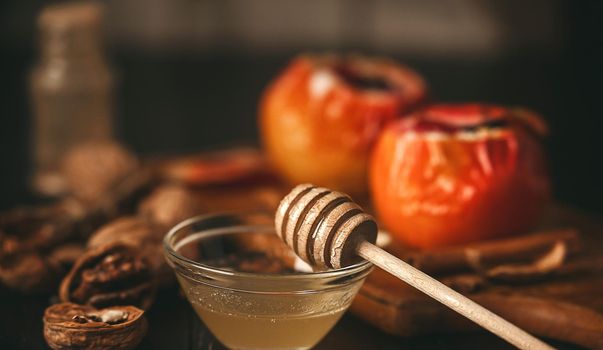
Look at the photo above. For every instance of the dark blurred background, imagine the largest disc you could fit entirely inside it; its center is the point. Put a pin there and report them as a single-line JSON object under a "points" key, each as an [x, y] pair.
{"points": [[191, 71]]}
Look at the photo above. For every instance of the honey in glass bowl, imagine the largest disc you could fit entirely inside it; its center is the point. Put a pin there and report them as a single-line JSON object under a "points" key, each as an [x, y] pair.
{"points": [[248, 287]]}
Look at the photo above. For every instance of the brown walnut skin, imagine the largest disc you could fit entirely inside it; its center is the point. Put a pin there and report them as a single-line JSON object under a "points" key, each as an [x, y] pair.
{"points": [[112, 274], [73, 326]]}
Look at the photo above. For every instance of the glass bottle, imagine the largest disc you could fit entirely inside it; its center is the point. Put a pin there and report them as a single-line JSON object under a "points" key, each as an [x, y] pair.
{"points": [[71, 89]]}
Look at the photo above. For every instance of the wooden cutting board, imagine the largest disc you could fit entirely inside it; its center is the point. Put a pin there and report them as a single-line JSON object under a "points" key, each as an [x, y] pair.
{"points": [[566, 306]]}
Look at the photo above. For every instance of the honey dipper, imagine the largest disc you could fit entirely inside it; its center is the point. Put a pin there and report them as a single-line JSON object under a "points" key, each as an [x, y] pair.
{"points": [[327, 229]]}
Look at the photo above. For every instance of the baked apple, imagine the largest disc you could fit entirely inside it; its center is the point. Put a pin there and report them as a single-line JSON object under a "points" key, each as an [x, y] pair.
{"points": [[452, 174], [320, 117]]}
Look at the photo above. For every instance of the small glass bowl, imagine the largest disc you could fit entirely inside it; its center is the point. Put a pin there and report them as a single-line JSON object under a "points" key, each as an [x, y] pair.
{"points": [[256, 310]]}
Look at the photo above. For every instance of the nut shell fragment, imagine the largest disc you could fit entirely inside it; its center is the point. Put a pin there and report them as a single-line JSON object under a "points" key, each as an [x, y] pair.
{"points": [[91, 169], [128, 229], [140, 233], [169, 204], [73, 326], [30, 273], [112, 274]]}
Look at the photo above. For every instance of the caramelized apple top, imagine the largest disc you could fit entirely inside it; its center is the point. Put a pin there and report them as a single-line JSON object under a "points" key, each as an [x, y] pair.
{"points": [[369, 75], [467, 118], [361, 81]]}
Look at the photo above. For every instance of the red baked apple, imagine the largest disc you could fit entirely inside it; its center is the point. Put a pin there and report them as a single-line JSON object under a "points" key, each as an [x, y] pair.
{"points": [[452, 174], [320, 117]]}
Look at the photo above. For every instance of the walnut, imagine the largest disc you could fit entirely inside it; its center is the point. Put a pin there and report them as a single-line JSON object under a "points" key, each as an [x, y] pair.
{"points": [[30, 273], [139, 233], [169, 204], [28, 236], [72, 326], [35, 273], [91, 169], [127, 229], [112, 274], [27, 229], [65, 255]]}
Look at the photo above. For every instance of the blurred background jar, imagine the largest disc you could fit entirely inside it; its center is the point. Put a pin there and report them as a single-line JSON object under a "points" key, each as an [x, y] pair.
{"points": [[71, 89]]}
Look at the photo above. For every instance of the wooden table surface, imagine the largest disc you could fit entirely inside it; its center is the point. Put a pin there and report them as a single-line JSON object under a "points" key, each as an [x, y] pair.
{"points": [[174, 325]]}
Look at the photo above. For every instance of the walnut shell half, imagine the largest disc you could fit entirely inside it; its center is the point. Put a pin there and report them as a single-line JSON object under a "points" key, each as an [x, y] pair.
{"points": [[144, 235], [73, 326], [112, 274]]}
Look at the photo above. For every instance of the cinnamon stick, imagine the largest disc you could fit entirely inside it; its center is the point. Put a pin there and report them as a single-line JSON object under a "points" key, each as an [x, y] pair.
{"points": [[520, 248]]}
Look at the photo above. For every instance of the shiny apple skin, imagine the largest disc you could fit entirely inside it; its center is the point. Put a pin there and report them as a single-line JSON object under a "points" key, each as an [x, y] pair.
{"points": [[439, 178], [315, 127]]}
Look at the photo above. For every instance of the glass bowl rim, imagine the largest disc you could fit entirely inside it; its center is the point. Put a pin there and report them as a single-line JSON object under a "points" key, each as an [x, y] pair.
{"points": [[171, 254]]}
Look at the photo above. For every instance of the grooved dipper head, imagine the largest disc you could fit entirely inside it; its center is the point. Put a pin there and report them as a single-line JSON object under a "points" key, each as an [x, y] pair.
{"points": [[322, 226]]}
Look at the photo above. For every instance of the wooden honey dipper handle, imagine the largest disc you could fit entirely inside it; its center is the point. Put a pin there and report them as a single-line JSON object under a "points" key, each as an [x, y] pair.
{"points": [[326, 228], [449, 297]]}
